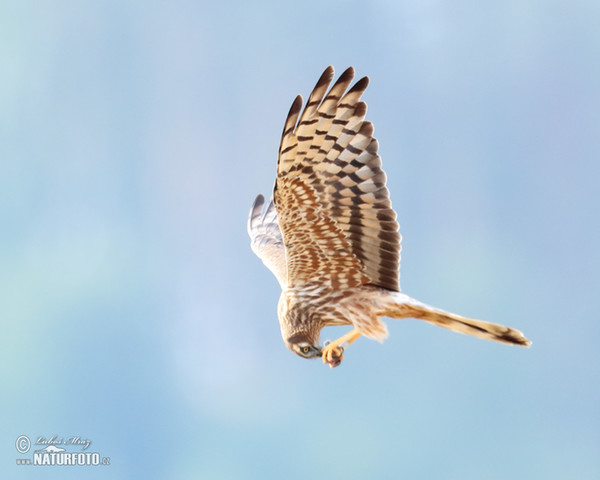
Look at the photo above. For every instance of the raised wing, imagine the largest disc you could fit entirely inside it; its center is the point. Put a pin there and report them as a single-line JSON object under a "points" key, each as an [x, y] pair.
{"points": [[333, 207], [266, 240]]}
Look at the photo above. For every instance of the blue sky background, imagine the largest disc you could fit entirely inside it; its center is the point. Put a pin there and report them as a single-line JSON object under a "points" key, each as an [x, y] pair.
{"points": [[133, 139]]}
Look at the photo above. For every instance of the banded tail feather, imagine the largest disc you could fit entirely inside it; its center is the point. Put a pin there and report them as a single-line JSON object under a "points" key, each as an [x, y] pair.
{"points": [[406, 307]]}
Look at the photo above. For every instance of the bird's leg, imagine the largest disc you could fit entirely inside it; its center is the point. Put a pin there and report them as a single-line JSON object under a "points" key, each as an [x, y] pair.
{"points": [[333, 352]]}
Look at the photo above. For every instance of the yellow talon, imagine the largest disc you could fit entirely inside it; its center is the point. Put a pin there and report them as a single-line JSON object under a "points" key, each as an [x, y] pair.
{"points": [[330, 352], [333, 353]]}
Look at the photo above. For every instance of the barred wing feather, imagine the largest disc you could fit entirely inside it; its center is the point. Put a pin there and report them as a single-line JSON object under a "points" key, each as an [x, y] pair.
{"points": [[332, 202]]}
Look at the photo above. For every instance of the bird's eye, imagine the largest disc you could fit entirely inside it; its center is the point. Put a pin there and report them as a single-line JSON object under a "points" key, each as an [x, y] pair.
{"points": [[305, 349]]}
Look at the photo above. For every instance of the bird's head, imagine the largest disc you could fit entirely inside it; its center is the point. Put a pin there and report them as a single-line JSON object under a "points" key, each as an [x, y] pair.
{"points": [[301, 332], [303, 344]]}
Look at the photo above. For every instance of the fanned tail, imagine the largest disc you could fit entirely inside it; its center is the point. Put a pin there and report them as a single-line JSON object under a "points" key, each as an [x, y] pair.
{"points": [[404, 307]]}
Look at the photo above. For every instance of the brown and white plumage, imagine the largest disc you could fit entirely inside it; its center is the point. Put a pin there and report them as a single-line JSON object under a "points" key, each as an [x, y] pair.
{"points": [[330, 234]]}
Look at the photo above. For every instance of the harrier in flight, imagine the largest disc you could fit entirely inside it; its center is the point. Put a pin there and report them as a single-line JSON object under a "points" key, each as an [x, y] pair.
{"points": [[330, 235]]}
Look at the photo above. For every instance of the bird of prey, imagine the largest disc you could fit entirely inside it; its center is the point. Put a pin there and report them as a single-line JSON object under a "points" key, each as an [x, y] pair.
{"points": [[329, 233]]}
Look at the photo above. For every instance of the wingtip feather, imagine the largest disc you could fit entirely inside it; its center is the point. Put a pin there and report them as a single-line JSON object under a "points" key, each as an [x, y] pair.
{"points": [[255, 212]]}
